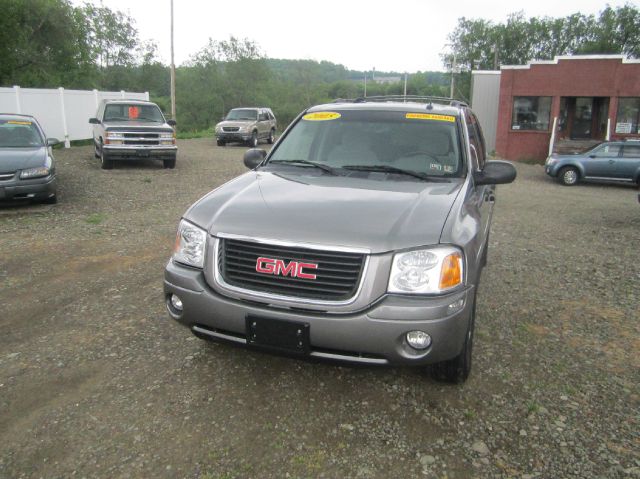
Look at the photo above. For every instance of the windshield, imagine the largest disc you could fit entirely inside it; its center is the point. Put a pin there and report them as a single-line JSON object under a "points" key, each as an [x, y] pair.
{"points": [[382, 140], [19, 134], [132, 112], [242, 114]]}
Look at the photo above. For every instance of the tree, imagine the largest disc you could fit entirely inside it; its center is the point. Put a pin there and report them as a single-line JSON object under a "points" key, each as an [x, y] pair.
{"points": [[42, 44]]}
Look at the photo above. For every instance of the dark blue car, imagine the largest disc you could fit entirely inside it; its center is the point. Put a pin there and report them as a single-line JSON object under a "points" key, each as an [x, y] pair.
{"points": [[609, 161]]}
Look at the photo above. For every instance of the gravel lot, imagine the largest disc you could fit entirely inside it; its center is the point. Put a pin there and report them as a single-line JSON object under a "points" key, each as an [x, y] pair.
{"points": [[97, 381]]}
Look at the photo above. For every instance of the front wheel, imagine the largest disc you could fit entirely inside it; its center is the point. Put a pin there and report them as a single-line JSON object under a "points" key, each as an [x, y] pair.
{"points": [[568, 176], [253, 142], [171, 164], [272, 136], [221, 142], [457, 370], [105, 162]]}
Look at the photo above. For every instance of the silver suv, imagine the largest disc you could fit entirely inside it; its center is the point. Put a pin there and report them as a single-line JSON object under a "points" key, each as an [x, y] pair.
{"points": [[125, 130], [247, 125], [361, 237]]}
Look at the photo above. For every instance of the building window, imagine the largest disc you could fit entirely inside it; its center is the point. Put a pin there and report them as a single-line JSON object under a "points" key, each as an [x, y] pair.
{"points": [[531, 113], [627, 118]]}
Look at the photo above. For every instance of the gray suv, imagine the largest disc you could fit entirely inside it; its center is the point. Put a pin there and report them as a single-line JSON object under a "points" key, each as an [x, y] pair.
{"points": [[247, 125], [359, 237]]}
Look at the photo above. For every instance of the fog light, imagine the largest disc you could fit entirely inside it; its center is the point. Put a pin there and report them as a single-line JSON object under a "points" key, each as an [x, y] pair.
{"points": [[418, 339], [176, 302], [455, 306]]}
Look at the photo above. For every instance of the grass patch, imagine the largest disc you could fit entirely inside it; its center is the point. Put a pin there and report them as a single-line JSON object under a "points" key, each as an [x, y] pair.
{"points": [[187, 135], [95, 218]]}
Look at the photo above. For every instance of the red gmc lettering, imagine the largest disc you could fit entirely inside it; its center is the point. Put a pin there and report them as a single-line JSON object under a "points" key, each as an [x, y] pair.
{"points": [[278, 267]]}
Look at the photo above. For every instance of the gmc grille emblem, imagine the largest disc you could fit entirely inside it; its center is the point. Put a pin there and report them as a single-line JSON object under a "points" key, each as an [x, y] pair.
{"points": [[278, 267]]}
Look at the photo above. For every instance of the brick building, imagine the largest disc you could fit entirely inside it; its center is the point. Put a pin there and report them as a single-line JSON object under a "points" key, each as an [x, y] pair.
{"points": [[590, 98]]}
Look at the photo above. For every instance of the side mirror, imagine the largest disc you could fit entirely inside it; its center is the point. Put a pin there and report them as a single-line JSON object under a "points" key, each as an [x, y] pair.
{"points": [[52, 141], [495, 172], [94, 121], [253, 158], [171, 122]]}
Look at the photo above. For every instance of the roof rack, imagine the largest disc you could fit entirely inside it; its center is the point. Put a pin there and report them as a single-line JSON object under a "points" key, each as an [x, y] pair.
{"points": [[403, 98]]}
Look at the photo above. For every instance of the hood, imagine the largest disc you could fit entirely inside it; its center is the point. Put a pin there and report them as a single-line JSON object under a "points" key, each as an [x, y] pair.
{"points": [[368, 213], [238, 123], [12, 159], [138, 125]]}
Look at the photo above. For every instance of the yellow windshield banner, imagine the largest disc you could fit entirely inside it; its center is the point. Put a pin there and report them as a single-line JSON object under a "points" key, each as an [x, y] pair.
{"points": [[430, 116], [13, 122], [322, 116]]}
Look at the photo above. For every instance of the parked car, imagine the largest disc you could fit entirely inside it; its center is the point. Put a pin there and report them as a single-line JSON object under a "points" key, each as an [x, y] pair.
{"points": [[609, 161], [360, 237], [27, 167], [247, 125], [125, 130]]}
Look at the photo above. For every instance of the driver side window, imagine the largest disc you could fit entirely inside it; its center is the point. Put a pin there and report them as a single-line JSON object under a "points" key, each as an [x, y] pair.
{"points": [[475, 138], [607, 151]]}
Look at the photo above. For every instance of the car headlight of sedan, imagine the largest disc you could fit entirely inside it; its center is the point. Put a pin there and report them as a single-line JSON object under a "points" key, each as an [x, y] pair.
{"points": [[551, 161], [37, 172], [427, 271], [114, 138], [190, 245]]}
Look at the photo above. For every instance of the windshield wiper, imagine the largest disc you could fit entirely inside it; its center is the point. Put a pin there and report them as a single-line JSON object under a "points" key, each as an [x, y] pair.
{"points": [[393, 169], [322, 166]]}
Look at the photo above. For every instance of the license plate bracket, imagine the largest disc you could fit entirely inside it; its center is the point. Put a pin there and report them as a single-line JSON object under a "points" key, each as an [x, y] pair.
{"points": [[143, 153], [279, 334]]}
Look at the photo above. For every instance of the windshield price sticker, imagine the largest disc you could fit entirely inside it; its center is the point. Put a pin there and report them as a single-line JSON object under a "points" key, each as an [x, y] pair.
{"points": [[430, 116], [321, 116]]}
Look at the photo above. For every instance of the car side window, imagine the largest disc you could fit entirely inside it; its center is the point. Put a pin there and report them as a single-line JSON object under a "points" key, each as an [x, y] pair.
{"points": [[631, 151], [607, 151], [263, 117], [475, 138]]}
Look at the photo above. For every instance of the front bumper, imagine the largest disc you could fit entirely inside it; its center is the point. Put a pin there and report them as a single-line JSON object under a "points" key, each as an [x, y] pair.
{"points": [[375, 335], [119, 152], [34, 189], [233, 136]]}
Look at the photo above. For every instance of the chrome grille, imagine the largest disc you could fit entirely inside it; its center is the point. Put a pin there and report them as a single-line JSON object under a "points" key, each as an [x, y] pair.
{"points": [[338, 274], [230, 128], [7, 176]]}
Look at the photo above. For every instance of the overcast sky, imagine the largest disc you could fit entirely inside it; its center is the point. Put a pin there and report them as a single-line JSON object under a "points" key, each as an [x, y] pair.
{"points": [[406, 35]]}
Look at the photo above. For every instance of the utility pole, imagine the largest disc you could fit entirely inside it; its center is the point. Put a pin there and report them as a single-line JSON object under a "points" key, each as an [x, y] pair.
{"points": [[365, 84], [173, 72], [453, 70], [405, 87], [495, 56]]}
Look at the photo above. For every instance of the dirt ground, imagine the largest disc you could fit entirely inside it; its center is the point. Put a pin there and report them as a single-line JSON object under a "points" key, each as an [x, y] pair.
{"points": [[97, 381]]}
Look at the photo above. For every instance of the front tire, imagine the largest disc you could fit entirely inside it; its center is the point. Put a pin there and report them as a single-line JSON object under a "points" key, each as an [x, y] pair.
{"points": [[171, 164], [272, 136], [105, 162], [568, 176], [221, 142], [458, 369], [253, 142]]}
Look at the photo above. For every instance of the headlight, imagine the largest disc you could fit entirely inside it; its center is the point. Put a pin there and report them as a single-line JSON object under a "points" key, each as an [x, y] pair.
{"points": [[244, 128], [37, 172], [113, 138], [190, 245], [551, 160], [167, 138], [426, 271]]}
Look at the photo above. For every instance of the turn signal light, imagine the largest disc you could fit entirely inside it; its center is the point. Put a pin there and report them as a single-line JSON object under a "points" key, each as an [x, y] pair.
{"points": [[451, 273]]}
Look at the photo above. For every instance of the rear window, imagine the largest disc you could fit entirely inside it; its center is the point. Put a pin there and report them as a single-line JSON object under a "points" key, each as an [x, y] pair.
{"points": [[19, 134], [422, 142]]}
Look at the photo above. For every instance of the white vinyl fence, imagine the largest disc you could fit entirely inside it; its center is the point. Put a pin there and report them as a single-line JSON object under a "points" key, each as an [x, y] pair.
{"points": [[63, 114]]}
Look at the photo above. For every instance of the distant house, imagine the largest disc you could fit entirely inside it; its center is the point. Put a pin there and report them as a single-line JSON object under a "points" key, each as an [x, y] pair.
{"points": [[589, 98]]}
